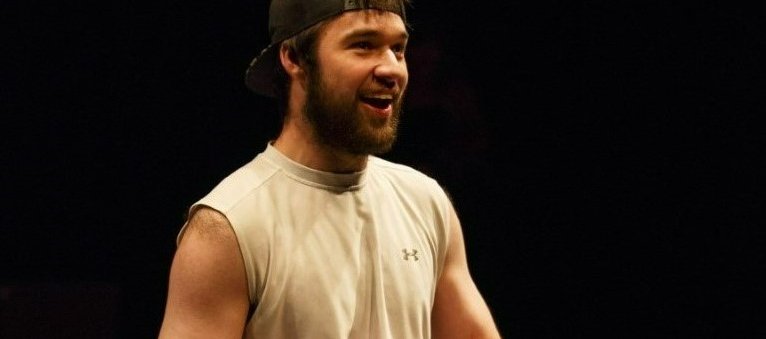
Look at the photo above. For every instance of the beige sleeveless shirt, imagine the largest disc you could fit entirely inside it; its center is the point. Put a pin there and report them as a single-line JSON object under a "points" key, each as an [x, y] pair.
{"points": [[336, 255]]}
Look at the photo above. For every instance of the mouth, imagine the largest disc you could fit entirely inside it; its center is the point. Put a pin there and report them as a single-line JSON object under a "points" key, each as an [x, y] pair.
{"points": [[379, 101]]}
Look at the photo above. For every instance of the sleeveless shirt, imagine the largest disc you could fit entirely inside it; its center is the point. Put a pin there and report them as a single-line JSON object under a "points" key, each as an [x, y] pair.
{"points": [[332, 255]]}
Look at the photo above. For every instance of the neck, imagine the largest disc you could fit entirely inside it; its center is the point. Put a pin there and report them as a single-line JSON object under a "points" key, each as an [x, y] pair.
{"points": [[297, 142]]}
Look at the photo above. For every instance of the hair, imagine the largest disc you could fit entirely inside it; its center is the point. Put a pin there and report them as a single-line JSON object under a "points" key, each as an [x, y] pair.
{"points": [[303, 46]]}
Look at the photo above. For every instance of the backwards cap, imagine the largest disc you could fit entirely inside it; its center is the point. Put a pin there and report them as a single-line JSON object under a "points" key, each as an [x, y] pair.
{"points": [[287, 18]]}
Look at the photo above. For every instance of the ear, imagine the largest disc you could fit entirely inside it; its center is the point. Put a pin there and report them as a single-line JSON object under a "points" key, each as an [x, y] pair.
{"points": [[290, 62]]}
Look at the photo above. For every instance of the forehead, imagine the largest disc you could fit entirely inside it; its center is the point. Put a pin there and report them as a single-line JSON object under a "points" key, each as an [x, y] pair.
{"points": [[374, 21]]}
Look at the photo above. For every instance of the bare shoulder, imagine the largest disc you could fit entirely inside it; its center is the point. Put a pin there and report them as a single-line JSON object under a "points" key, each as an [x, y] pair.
{"points": [[459, 309], [207, 293], [209, 224]]}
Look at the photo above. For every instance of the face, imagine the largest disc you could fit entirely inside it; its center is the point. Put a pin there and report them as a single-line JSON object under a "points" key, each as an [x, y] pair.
{"points": [[355, 92]]}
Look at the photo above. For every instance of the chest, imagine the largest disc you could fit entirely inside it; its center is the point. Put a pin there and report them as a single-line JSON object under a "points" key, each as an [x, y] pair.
{"points": [[350, 258]]}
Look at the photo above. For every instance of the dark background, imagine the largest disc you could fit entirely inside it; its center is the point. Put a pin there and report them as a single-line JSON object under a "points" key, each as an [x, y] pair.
{"points": [[604, 158]]}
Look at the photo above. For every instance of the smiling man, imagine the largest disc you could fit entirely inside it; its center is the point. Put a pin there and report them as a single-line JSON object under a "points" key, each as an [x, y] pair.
{"points": [[317, 237]]}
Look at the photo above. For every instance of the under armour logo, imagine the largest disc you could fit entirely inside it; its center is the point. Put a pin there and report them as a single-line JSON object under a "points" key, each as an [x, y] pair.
{"points": [[413, 254]]}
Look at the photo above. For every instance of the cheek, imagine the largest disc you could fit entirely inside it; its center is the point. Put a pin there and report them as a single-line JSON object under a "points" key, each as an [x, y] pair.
{"points": [[345, 80], [406, 78]]}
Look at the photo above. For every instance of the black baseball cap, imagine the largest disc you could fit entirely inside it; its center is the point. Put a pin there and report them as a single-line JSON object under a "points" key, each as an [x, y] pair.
{"points": [[290, 17]]}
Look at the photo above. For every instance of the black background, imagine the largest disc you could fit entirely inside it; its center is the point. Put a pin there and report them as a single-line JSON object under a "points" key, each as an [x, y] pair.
{"points": [[604, 158]]}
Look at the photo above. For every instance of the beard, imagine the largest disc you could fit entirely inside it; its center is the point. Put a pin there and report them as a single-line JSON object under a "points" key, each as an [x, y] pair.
{"points": [[339, 124]]}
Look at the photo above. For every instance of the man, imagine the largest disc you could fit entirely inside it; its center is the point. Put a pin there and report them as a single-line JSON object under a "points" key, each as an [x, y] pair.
{"points": [[317, 237]]}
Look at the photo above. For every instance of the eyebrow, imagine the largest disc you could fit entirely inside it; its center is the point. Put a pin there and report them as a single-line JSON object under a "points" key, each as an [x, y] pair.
{"points": [[371, 33]]}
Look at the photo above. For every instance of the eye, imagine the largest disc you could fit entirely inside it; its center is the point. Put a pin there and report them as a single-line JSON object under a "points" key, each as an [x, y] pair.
{"points": [[365, 45], [399, 49]]}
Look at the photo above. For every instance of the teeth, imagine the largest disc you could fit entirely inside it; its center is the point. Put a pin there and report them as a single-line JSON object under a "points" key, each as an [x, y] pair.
{"points": [[381, 97]]}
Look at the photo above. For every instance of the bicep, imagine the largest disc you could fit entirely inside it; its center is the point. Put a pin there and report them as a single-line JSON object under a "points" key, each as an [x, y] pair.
{"points": [[207, 289], [459, 309]]}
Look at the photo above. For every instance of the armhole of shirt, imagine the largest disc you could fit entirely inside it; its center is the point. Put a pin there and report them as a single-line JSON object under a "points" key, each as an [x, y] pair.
{"points": [[445, 214], [193, 209], [248, 270]]}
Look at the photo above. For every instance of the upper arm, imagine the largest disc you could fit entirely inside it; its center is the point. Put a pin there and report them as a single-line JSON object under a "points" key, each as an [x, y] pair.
{"points": [[207, 290], [459, 310]]}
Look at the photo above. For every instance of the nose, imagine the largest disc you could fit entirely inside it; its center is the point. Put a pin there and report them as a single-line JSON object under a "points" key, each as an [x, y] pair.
{"points": [[391, 72]]}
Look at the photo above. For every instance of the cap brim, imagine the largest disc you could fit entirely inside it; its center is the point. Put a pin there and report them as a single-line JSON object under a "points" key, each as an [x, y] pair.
{"points": [[260, 74]]}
